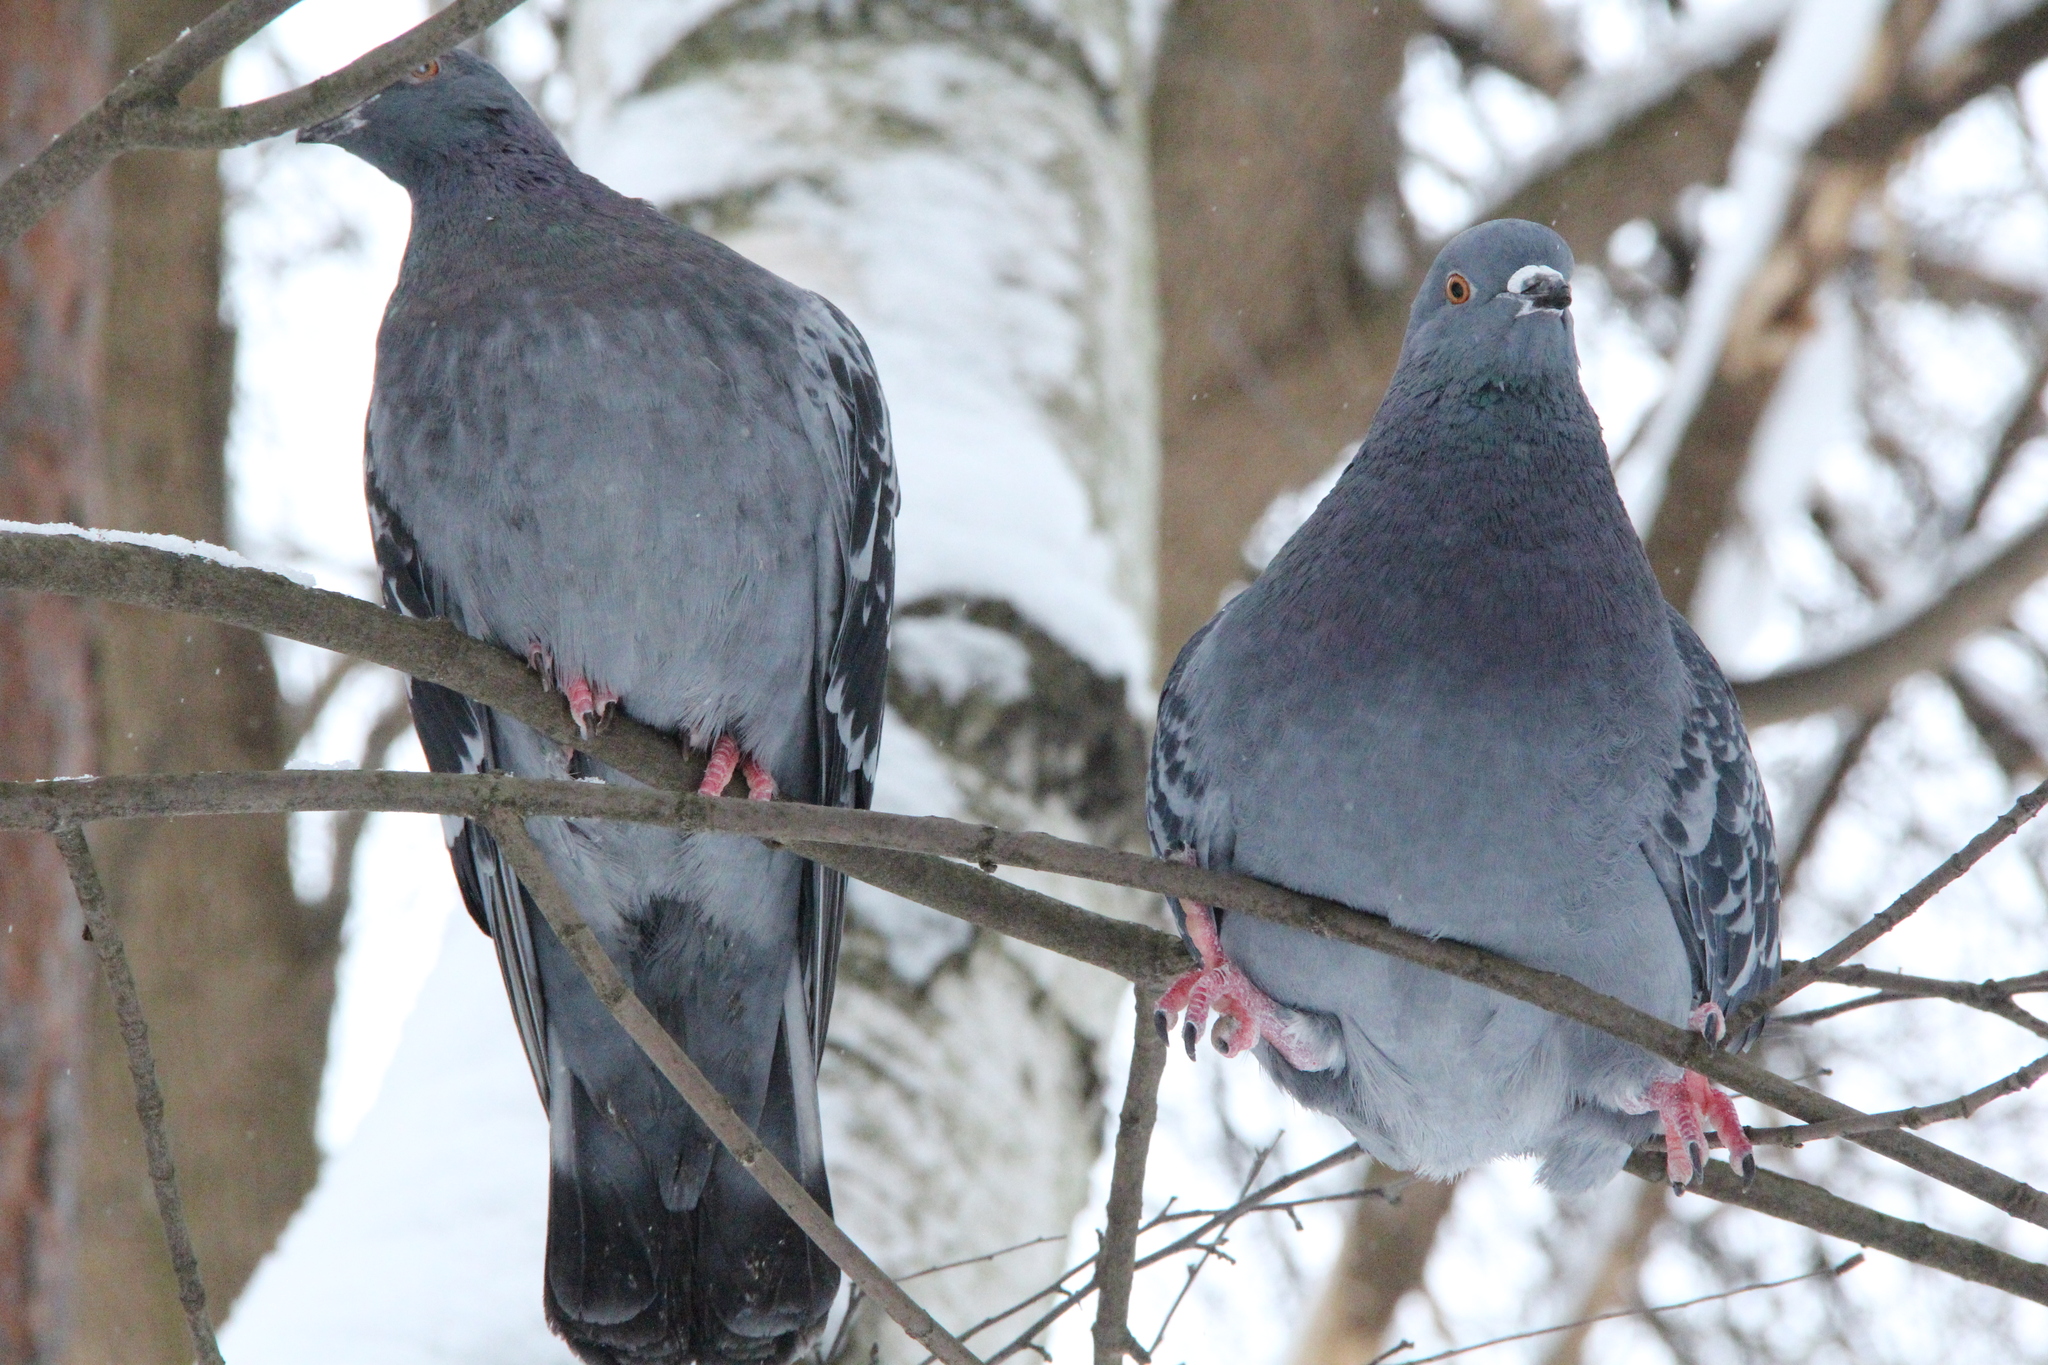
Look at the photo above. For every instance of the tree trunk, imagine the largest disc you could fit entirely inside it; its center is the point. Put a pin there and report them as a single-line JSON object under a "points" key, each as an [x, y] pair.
{"points": [[52, 296], [1286, 264], [1386, 1250], [237, 979]]}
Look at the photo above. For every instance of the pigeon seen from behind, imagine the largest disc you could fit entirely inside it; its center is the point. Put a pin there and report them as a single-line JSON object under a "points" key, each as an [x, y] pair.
{"points": [[1456, 698], [663, 475]]}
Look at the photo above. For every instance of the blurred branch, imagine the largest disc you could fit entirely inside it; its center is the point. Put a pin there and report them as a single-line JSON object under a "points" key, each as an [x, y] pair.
{"points": [[703, 1097], [1894, 107], [1615, 1277], [2022, 426], [149, 1096], [1863, 675], [1846, 756], [143, 110], [1519, 37], [1644, 133], [1583, 1323], [1126, 1208], [1385, 1254], [1795, 1201], [299, 719], [391, 723]]}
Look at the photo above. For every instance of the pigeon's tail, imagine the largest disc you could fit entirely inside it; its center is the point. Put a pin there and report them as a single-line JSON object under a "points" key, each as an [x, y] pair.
{"points": [[731, 1281]]}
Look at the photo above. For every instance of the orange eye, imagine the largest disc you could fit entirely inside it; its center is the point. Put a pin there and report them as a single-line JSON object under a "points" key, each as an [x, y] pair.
{"points": [[425, 71], [1457, 289]]}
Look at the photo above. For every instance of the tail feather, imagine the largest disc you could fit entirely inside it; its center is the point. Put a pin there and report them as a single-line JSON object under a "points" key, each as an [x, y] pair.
{"points": [[732, 1280]]}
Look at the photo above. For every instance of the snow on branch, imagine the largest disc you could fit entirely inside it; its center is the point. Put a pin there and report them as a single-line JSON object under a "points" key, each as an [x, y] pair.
{"points": [[143, 109], [937, 862]]}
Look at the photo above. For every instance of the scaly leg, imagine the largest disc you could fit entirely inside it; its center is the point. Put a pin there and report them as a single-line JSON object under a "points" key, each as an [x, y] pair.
{"points": [[726, 758], [1245, 1015], [1690, 1102]]}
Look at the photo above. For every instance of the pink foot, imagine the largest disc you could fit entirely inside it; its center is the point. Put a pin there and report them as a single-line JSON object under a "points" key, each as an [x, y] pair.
{"points": [[589, 703], [1687, 1105], [725, 760], [1245, 1015]]}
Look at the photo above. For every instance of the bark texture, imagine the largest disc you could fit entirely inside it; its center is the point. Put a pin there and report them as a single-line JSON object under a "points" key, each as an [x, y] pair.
{"points": [[52, 297], [236, 978]]}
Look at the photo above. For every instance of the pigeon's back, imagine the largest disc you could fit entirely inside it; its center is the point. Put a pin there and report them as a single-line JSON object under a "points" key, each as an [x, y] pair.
{"points": [[662, 475]]}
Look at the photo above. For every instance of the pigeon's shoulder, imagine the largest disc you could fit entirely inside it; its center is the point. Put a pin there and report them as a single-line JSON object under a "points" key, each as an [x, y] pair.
{"points": [[1712, 845]]}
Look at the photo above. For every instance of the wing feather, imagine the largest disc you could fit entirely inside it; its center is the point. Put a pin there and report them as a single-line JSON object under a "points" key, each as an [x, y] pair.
{"points": [[853, 676], [1713, 847]]}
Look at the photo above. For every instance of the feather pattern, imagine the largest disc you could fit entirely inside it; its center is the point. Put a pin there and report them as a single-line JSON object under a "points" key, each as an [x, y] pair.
{"points": [[1713, 848]]}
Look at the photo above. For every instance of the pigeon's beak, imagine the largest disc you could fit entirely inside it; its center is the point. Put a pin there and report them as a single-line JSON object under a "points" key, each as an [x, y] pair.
{"points": [[1539, 288], [336, 128]]}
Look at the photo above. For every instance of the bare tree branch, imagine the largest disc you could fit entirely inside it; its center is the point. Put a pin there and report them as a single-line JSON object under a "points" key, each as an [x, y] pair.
{"points": [[1115, 1262], [1795, 1201], [391, 723], [1992, 997], [1799, 976], [143, 109], [1919, 1116], [149, 1096], [1826, 1270], [704, 1098]]}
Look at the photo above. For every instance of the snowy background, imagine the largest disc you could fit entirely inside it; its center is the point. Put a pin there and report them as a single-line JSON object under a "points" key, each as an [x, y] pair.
{"points": [[423, 1240]]}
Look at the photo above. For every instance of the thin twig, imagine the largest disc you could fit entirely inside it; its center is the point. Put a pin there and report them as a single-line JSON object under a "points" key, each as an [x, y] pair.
{"points": [[143, 110], [1992, 997], [704, 1098], [1115, 1262], [1884, 921], [1830, 1271], [985, 1256], [1216, 1219], [149, 1096], [1919, 1116]]}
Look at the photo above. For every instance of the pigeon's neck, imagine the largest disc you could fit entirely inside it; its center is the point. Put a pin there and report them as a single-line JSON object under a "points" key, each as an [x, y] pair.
{"points": [[512, 226], [1478, 530]]}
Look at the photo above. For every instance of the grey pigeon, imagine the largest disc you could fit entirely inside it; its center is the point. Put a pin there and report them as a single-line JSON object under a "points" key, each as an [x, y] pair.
{"points": [[1456, 698], [663, 475]]}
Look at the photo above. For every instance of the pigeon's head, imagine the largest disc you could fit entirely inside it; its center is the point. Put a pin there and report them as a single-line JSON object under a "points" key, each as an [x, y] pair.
{"points": [[441, 117], [1496, 304]]}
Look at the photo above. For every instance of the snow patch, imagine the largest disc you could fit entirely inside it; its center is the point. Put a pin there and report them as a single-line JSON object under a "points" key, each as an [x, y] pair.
{"points": [[954, 657], [177, 545]]}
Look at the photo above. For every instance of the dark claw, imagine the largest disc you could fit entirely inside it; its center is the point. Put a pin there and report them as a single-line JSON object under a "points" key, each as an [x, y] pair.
{"points": [[1698, 1153], [1748, 1170], [1189, 1036], [1163, 1024], [1678, 1188]]}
